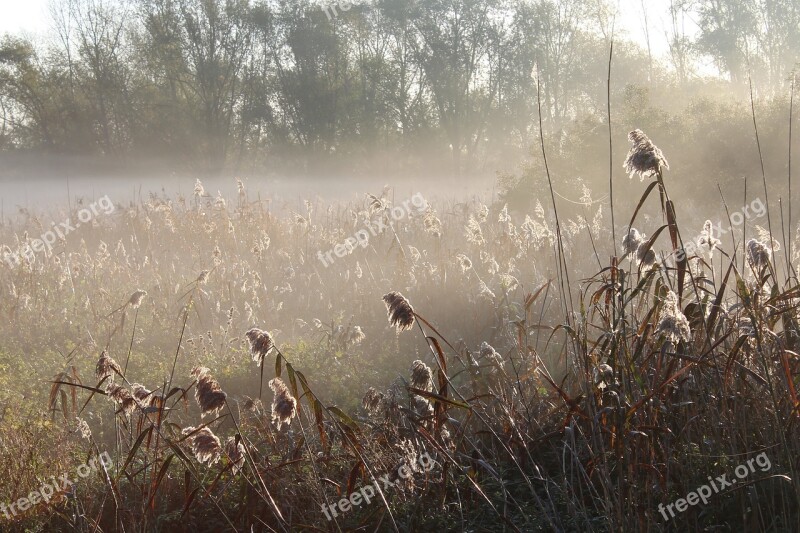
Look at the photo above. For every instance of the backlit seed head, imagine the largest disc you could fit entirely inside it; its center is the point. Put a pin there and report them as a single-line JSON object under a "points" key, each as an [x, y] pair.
{"points": [[253, 405], [631, 241], [83, 429], [644, 157], [421, 376], [107, 367], [355, 335], [141, 393], [209, 394], [757, 254], [400, 312], [464, 262], [136, 298], [423, 407], [122, 397], [235, 452], [672, 322], [260, 343], [645, 256], [707, 239], [603, 375], [490, 355], [204, 444], [202, 279], [284, 406]]}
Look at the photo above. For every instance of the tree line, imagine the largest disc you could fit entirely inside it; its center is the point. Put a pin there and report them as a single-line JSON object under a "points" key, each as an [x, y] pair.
{"points": [[216, 84]]}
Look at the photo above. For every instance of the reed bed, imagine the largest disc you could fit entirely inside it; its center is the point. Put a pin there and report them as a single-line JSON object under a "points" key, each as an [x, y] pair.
{"points": [[547, 401]]}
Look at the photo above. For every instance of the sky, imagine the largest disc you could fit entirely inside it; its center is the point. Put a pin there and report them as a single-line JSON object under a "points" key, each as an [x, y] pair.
{"points": [[32, 17], [24, 15]]}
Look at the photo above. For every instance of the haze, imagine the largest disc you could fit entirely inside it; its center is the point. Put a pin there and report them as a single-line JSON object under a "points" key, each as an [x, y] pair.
{"points": [[399, 265]]}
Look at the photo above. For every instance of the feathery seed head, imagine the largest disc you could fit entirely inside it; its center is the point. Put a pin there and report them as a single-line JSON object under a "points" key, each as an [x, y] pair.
{"points": [[758, 255], [235, 452], [107, 367], [83, 429], [490, 355], [284, 406], [672, 322], [136, 298], [464, 262], [644, 157], [355, 335], [400, 312], [260, 343], [707, 238], [122, 397], [141, 393], [631, 241], [204, 444], [209, 394], [603, 376], [646, 257], [421, 376]]}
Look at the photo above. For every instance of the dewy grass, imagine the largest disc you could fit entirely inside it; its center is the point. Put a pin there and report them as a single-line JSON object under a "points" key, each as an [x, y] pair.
{"points": [[443, 339]]}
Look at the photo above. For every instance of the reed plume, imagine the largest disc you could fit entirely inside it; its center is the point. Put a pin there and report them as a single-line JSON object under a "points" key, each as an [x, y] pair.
{"points": [[107, 367], [204, 444], [209, 394], [672, 322], [603, 376], [758, 255], [645, 256], [421, 376], [202, 278], [140, 392], [136, 299], [401, 314], [488, 353], [235, 452], [644, 157], [83, 429], [631, 241], [707, 238], [284, 406], [122, 397], [260, 343]]}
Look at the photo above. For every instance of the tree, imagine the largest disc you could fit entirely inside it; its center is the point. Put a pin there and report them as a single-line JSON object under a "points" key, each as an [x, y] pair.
{"points": [[199, 50]]}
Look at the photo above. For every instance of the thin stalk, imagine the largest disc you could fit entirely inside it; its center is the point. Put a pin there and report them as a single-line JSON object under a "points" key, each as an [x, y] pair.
{"points": [[130, 348], [789, 175], [763, 173], [566, 293], [610, 145]]}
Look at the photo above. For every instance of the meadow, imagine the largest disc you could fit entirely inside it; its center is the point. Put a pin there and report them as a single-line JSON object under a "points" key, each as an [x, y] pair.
{"points": [[460, 367]]}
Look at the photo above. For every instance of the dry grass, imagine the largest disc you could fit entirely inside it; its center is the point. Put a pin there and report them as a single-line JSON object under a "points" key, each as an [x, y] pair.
{"points": [[668, 370]]}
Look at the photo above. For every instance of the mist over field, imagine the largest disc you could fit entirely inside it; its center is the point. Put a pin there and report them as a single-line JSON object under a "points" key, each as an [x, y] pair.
{"points": [[399, 265]]}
